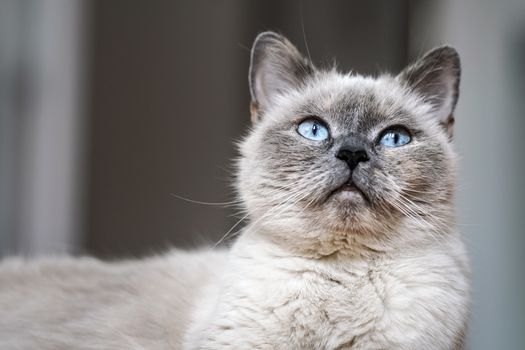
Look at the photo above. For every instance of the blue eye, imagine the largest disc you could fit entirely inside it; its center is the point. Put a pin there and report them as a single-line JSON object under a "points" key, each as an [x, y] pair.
{"points": [[313, 129], [395, 137]]}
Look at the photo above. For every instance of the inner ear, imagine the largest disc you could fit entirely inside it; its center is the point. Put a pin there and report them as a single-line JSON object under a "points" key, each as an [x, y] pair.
{"points": [[435, 77], [276, 67]]}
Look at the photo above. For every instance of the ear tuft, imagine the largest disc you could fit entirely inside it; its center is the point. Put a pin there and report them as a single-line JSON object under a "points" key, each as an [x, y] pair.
{"points": [[436, 77], [276, 67]]}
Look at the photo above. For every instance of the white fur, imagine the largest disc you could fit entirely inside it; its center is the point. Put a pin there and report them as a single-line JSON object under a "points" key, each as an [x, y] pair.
{"points": [[410, 299], [65, 304], [256, 297]]}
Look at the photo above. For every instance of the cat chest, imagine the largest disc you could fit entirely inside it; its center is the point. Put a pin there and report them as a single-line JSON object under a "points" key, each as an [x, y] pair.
{"points": [[358, 311], [324, 312]]}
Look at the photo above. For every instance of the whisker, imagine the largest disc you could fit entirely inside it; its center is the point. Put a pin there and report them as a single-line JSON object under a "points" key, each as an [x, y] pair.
{"points": [[287, 198], [202, 202]]}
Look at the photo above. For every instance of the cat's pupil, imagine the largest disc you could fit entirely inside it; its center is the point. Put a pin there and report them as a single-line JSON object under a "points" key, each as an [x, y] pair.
{"points": [[396, 138], [314, 129]]}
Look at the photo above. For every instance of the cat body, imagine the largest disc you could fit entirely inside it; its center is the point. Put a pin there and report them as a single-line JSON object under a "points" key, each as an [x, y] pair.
{"points": [[347, 183], [64, 303], [271, 300]]}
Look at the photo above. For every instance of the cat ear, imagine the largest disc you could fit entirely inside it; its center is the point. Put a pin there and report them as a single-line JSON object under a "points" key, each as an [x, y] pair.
{"points": [[276, 67], [435, 77]]}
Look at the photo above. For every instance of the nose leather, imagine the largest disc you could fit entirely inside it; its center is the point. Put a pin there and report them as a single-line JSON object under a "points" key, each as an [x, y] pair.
{"points": [[352, 156]]}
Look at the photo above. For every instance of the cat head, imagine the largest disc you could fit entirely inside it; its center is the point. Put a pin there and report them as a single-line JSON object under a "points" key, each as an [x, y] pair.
{"points": [[334, 161]]}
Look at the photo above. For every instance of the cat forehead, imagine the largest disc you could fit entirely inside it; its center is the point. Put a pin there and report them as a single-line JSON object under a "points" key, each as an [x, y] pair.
{"points": [[332, 95]]}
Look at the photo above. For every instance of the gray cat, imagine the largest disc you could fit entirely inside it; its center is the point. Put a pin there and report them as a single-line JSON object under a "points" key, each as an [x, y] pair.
{"points": [[348, 184]]}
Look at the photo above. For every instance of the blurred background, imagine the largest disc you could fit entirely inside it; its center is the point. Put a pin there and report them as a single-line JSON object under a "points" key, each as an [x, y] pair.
{"points": [[110, 108]]}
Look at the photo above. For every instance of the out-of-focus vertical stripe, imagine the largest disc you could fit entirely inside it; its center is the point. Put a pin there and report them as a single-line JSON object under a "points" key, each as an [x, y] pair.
{"points": [[41, 119]]}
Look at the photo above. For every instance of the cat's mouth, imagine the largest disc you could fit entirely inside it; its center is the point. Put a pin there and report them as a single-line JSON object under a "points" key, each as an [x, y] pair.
{"points": [[349, 190]]}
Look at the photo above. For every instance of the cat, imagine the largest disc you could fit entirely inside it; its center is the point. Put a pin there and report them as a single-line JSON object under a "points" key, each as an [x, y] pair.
{"points": [[348, 185]]}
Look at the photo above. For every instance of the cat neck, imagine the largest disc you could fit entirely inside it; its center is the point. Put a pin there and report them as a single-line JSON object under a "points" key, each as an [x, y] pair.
{"points": [[329, 245]]}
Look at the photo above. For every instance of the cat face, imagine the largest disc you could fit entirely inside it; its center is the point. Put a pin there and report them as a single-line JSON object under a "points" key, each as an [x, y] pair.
{"points": [[333, 158]]}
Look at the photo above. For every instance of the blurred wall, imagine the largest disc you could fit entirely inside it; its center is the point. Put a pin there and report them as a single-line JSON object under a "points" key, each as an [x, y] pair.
{"points": [[41, 141]]}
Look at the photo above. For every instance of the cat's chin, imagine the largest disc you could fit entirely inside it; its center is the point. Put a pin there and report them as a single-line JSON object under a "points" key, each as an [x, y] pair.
{"points": [[347, 204], [348, 208]]}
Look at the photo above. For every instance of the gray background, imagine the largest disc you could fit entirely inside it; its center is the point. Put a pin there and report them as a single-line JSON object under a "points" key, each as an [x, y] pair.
{"points": [[107, 108]]}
